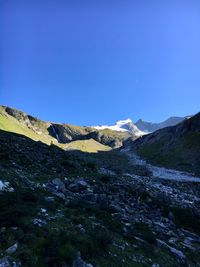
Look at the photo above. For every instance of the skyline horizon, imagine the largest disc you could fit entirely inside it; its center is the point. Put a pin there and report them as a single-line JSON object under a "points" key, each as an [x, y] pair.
{"points": [[100, 124]]}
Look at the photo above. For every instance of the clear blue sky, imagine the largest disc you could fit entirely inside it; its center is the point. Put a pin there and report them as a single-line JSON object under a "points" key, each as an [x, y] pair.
{"points": [[91, 62]]}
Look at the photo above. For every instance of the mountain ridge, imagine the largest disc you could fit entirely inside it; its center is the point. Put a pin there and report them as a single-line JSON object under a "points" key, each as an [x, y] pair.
{"points": [[61, 134], [149, 127], [174, 146], [57, 133]]}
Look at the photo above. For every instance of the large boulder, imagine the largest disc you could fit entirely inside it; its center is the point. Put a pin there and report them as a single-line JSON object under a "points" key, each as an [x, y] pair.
{"points": [[12, 249], [78, 185], [60, 186]]}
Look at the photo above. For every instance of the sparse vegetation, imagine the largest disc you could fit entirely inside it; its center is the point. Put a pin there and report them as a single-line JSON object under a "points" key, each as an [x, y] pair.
{"points": [[175, 147], [113, 212]]}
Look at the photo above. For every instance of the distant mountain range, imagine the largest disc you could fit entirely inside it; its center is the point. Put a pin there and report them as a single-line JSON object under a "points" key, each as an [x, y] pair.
{"points": [[87, 138], [140, 127], [149, 127]]}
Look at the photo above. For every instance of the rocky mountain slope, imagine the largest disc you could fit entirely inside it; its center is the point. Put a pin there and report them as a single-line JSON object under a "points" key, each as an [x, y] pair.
{"points": [[174, 147], [62, 207], [65, 208], [149, 127], [59, 134]]}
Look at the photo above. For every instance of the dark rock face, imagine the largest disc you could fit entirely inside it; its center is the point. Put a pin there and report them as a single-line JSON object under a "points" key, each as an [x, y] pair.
{"points": [[65, 133]]}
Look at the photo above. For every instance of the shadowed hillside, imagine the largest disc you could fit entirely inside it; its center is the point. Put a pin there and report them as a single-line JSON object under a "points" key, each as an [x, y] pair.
{"points": [[174, 147], [61, 208]]}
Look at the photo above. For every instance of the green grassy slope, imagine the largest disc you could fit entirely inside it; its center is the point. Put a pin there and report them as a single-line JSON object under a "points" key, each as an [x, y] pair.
{"points": [[87, 146], [18, 122], [174, 147], [10, 124]]}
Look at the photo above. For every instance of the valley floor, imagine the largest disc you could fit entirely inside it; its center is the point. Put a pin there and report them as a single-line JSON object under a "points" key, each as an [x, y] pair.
{"points": [[112, 207], [160, 172]]}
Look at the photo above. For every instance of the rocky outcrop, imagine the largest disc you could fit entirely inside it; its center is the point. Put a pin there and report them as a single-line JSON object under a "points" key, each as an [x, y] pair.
{"points": [[65, 133]]}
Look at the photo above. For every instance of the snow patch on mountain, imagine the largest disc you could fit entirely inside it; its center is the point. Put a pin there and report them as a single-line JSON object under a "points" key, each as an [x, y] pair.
{"points": [[122, 126]]}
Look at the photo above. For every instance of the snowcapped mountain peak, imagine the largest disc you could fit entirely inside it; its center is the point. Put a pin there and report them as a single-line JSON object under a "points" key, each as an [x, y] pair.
{"points": [[122, 126]]}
